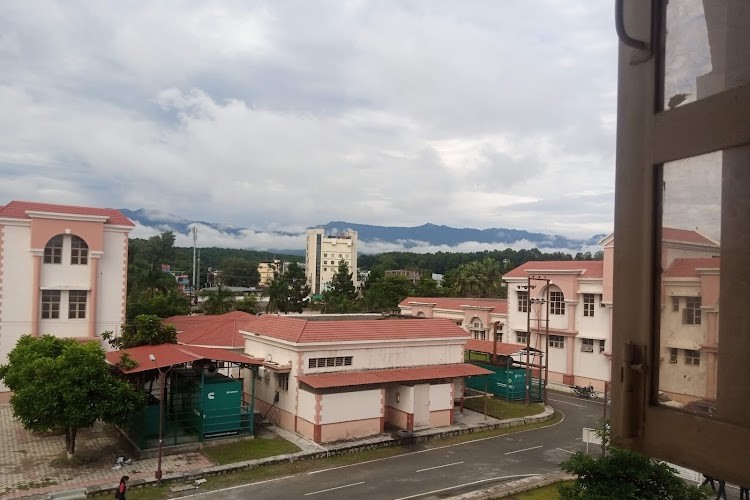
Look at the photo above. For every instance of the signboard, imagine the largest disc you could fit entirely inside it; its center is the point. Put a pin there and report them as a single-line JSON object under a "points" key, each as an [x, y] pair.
{"points": [[589, 436]]}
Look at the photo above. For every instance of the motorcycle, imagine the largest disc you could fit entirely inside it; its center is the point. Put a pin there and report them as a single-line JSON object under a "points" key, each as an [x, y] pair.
{"points": [[584, 392]]}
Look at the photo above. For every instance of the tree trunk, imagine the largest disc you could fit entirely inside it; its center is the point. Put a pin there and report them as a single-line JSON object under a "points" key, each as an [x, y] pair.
{"points": [[70, 441]]}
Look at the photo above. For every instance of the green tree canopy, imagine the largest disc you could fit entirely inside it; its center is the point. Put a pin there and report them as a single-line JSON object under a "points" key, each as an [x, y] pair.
{"points": [[288, 292], [164, 305], [341, 295], [624, 475], [236, 271], [218, 301], [142, 330], [62, 384], [248, 304], [385, 294]]}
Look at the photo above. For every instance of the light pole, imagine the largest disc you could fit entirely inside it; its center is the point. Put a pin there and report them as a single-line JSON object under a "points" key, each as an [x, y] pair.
{"points": [[162, 392]]}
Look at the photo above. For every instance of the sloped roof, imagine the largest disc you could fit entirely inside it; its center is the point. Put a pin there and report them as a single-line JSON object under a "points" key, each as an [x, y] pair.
{"points": [[485, 346], [587, 268], [18, 209], [688, 268], [685, 236], [302, 331], [458, 304], [221, 330], [167, 355], [413, 374]]}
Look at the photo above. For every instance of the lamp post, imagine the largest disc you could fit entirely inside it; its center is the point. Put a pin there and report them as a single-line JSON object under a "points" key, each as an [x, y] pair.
{"points": [[162, 383]]}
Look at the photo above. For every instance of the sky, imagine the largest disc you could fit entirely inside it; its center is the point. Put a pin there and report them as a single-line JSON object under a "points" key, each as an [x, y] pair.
{"points": [[290, 114]]}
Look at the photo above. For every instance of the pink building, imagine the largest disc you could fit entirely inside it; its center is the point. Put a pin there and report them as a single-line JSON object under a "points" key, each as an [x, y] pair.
{"points": [[63, 271], [483, 319], [335, 380]]}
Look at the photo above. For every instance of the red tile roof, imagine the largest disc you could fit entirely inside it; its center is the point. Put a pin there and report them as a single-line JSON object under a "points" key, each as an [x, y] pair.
{"points": [[685, 236], [587, 268], [497, 305], [303, 331], [486, 346], [219, 331], [370, 377], [688, 268], [18, 209], [173, 354]]}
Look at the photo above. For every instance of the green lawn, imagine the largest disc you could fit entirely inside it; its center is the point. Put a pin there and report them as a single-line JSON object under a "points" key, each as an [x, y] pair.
{"points": [[546, 493], [249, 450], [501, 409]]}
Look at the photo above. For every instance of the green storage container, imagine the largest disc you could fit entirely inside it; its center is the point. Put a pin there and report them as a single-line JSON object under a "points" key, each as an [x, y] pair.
{"points": [[221, 406]]}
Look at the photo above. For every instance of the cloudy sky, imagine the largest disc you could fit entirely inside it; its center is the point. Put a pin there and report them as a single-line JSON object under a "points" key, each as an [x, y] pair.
{"points": [[288, 114]]}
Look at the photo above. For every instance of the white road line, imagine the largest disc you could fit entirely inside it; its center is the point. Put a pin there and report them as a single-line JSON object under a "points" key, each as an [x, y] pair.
{"points": [[439, 447], [336, 488], [566, 403], [235, 487], [567, 451], [525, 449], [439, 466], [591, 400], [466, 484]]}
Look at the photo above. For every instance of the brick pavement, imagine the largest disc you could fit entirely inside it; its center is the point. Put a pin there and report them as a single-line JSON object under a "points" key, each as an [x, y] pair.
{"points": [[26, 460]]}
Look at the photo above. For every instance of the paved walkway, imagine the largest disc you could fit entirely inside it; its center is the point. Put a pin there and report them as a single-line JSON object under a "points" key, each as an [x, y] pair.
{"points": [[26, 459]]}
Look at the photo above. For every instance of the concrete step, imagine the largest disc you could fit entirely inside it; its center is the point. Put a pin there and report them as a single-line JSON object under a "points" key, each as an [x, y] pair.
{"points": [[68, 494]]}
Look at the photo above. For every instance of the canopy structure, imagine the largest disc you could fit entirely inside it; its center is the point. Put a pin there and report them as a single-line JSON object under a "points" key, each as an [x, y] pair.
{"points": [[370, 377], [151, 357]]}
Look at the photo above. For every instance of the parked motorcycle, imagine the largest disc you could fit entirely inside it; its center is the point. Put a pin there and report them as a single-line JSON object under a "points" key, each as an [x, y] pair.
{"points": [[584, 392]]}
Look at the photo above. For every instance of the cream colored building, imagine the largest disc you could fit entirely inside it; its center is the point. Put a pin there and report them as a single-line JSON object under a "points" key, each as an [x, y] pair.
{"points": [[63, 271], [483, 319], [323, 254], [267, 271], [335, 380]]}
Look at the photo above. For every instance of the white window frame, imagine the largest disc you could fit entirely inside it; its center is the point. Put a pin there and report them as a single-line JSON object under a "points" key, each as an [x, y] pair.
{"points": [[692, 358], [587, 345], [556, 302], [79, 251], [691, 314], [53, 250], [51, 304], [673, 354], [557, 341], [588, 304], [524, 336], [77, 303], [282, 382], [523, 300]]}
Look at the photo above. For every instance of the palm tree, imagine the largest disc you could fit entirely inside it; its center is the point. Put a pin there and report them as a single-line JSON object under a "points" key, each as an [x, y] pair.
{"points": [[218, 302]]}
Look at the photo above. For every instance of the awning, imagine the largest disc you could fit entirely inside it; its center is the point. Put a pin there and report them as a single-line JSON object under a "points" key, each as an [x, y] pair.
{"points": [[166, 355], [371, 377], [485, 346], [678, 343]]}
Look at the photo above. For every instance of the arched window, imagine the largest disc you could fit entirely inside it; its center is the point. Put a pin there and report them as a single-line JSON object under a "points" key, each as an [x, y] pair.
{"points": [[420, 314], [79, 251], [53, 250], [556, 301], [477, 330]]}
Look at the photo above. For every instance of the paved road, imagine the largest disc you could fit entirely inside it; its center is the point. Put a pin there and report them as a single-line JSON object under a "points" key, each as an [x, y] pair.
{"points": [[442, 471]]}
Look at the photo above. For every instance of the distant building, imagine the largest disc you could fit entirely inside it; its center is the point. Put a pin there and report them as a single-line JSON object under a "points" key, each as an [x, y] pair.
{"points": [[413, 275], [267, 271], [323, 255], [63, 271], [483, 319]]}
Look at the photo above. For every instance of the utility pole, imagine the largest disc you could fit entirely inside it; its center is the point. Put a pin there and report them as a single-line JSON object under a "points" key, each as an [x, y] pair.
{"points": [[192, 289], [528, 340]]}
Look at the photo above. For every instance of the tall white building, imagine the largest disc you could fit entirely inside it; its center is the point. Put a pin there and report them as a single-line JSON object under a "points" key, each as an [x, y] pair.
{"points": [[324, 252]]}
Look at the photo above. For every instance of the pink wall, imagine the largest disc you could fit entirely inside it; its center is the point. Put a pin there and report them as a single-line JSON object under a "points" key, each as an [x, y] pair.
{"points": [[276, 415], [306, 428], [44, 229], [609, 266], [349, 430], [396, 417], [441, 418]]}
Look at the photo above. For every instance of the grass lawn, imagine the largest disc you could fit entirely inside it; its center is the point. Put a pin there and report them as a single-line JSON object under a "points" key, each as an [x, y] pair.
{"points": [[545, 493], [501, 409], [249, 450]]}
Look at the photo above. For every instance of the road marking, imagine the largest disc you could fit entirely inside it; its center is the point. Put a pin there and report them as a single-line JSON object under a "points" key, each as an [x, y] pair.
{"points": [[235, 487], [562, 419], [439, 466], [336, 488], [466, 484], [591, 400], [567, 451], [566, 403], [525, 449]]}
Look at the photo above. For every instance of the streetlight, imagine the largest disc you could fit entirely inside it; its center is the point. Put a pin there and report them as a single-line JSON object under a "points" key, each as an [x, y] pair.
{"points": [[162, 383]]}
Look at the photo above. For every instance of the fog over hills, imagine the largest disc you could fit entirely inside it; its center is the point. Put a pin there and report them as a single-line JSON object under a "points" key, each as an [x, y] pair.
{"points": [[372, 239]]}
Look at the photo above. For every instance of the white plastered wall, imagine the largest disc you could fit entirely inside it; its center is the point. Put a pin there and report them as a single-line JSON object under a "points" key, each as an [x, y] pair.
{"points": [[350, 406]]}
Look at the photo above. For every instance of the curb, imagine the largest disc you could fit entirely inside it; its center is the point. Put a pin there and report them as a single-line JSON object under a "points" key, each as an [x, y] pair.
{"points": [[334, 449], [514, 487]]}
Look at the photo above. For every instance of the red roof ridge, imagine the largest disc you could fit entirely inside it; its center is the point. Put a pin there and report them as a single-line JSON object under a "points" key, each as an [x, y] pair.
{"points": [[18, 210]]}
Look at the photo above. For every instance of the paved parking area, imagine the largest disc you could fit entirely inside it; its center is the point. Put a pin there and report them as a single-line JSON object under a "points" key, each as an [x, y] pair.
{"points": [[27, 460]]}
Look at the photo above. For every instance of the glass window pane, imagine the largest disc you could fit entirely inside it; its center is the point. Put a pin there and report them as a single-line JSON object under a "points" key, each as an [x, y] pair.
{"points": [[704, 49]]}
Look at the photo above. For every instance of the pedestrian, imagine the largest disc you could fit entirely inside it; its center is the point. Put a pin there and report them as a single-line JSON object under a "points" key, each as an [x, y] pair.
{"points": [[122, 487], [708, 480], [722, 492], [744, 493]]}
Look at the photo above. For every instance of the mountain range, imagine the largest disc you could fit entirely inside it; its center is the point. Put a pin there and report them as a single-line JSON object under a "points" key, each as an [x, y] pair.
{"points": [[373, 239]]}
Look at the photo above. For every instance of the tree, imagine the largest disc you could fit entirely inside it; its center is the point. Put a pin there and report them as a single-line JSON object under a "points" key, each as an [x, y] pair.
{"points": [[288, 292], [341, 295], [427, 287], [248, 304], [236, 271], [218, 301], [164, 305], [385, 294], [479, 278], [624, 475], [142, 330], [60, 383]]}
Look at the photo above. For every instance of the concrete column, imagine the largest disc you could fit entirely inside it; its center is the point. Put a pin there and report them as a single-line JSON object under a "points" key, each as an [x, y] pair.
{"points": [[35, 291], [94, 280]]}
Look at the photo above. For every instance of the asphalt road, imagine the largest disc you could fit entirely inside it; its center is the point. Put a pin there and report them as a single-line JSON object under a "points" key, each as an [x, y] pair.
{"points": [[441, 471]]}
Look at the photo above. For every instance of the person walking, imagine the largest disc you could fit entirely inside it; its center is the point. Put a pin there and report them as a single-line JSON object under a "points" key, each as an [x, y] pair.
{"points": [[744, 493], [708, 480], [122, 488], [721, 492]]}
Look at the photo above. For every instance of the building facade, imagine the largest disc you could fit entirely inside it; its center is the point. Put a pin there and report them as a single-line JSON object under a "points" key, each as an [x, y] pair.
{"points": [[323, 254], [63, 271], [482, 319], [336, 380], [267, 271]]}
